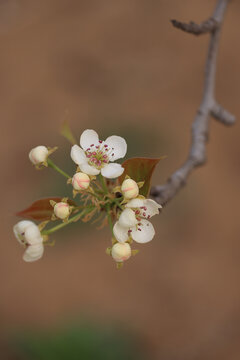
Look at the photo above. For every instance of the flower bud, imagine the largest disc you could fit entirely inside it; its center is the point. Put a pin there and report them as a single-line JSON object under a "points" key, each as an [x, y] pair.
{"points": [[80, 181], [121, 252], [62, 210], [38, 155], [130, 189]]}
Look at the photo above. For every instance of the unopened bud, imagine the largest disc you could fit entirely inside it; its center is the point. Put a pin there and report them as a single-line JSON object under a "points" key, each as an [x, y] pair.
{"points": [[62, 210], [121, 252], [130, 189], [80, 181], [38, 154]]}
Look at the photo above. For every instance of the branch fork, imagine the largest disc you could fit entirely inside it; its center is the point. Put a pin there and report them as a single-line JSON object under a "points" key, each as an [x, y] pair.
{"points": [[208, 107]]}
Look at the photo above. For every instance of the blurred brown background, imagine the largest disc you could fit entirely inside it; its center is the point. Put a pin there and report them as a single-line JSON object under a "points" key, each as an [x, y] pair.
{"points": [[119, 67]]}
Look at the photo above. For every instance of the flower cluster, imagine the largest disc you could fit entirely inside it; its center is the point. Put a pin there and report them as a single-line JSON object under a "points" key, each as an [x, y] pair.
{"points": [[105, 191], [133, 222]]}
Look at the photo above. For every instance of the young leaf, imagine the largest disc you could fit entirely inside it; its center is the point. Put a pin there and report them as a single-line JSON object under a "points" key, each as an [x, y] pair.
{"points": [[67, 133], [41, 209], [140, 169]]}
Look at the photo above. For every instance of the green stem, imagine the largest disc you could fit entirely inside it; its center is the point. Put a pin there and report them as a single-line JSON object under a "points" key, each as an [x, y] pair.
{"points": [[105, 189], [55, 167], [109, 218], [93, 194], [103, 183], [63, 224], [117, 203]]}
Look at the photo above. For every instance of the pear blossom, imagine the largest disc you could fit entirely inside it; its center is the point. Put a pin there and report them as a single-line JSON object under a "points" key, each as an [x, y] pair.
{"points": [[80, 181], [96, 156], [28, 235], [121, 252], [134, 221], [130, 189], [38, 154], [62, 210]]}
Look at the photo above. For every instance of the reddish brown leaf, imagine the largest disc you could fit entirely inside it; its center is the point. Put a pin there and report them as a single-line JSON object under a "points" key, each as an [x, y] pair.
{"points": [[140, 169], [41, 209]]}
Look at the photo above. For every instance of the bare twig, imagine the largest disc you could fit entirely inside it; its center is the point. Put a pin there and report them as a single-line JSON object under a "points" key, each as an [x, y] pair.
{"points": [[219, 113], [200, 126], [206, 26]]}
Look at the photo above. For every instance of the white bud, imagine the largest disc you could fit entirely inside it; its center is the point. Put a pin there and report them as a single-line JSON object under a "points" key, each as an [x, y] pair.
{"points": [[62, 210], [80, 181], [121, 252], [38, 154], [130, 189]]}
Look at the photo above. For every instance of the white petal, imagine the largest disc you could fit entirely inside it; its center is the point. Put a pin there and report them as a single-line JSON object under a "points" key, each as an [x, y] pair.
{"points": [[135, 203], [145, 235], [118, 145], [33, 252], [33, 235], [88, 169], [88, 138], [120, 232], [20, 228], [127, 218], [112, 171], [78, 155], [152, 207]]}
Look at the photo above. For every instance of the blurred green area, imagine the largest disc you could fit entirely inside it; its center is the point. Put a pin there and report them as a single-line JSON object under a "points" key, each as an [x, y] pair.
{"points": [[73, 342]]}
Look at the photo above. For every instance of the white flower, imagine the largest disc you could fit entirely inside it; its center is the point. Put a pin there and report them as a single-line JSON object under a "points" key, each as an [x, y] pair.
{"points": [[28, 234], [62, 210], [94, 155], [38, 155], [133, 221], [121, 252], [130, 189], [80, 181]]}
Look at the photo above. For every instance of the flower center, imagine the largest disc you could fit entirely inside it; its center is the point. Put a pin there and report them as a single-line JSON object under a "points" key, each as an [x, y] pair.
{"points": [[141, 213], [99, 155]]}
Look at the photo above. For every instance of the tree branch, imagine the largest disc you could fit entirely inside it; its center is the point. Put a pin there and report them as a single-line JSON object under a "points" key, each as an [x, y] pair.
{"points": [[197, 29], [208, 106]]}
